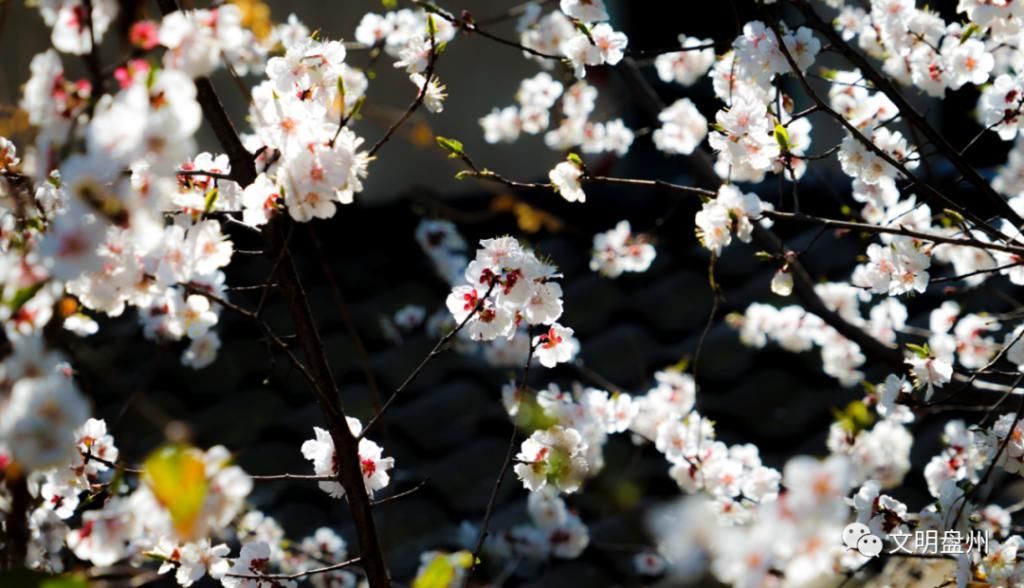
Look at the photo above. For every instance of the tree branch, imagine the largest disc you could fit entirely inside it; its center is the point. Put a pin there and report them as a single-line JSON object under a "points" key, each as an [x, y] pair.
{"points": [[243, 171], [907, 110]]}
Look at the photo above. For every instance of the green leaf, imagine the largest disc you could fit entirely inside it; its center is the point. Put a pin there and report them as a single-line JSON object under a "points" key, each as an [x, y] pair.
{"points": [[575, 159], [23, 295], [176, 475], [627, 495], [782, 137], [452, 146], [583, 28], [856, 417], [357, 108], [389, 4], [210, 200], [23, 578], [531, 416], [971, 30], [462, 174], [921, 351], [954, 216], [680, 366], [431, 26]]}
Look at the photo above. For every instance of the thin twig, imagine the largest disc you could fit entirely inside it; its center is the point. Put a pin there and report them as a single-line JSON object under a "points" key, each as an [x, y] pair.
{"points": [[298, 575], [420, 96], [439, 347]]}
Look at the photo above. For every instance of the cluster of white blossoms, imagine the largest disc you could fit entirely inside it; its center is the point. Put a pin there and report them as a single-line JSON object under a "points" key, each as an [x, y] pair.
{"points": [[731, 212], [372, 463], [577, 32], [570, 32], [682, 130], [790, 536], [309, 161], [447, 250], [917, 47], [850, 95], [195, 39], [570, 429], [506, 286], [413, 39], [553, 531], [75, 24], [70, 459], [880, 453], [796, 330], [102, 234], [867, 164], [686, 67], [140, 522], [785, 538], [733, 477], [619, 250], [752, 135], [537, 96], [896, 268], [111, 209], [133, 521], [41, 407]]}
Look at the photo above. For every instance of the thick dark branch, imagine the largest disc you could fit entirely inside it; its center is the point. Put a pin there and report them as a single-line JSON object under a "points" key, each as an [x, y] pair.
{"points": [[803, 287], [346, 318], [17, 527], [243, 171], [243, 166], [345, 444], [873, 349]]}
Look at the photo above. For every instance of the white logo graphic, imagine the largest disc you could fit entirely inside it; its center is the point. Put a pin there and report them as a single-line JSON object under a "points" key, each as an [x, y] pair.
{"points": [[857, 536]]}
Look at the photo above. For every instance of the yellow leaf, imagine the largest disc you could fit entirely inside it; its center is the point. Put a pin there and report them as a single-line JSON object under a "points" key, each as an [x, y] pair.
{"points": [[421, 135], [503, 203], [529, 218], [14, 124], [176, 475], [439, 573], [463, 559], [255, 17]]}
